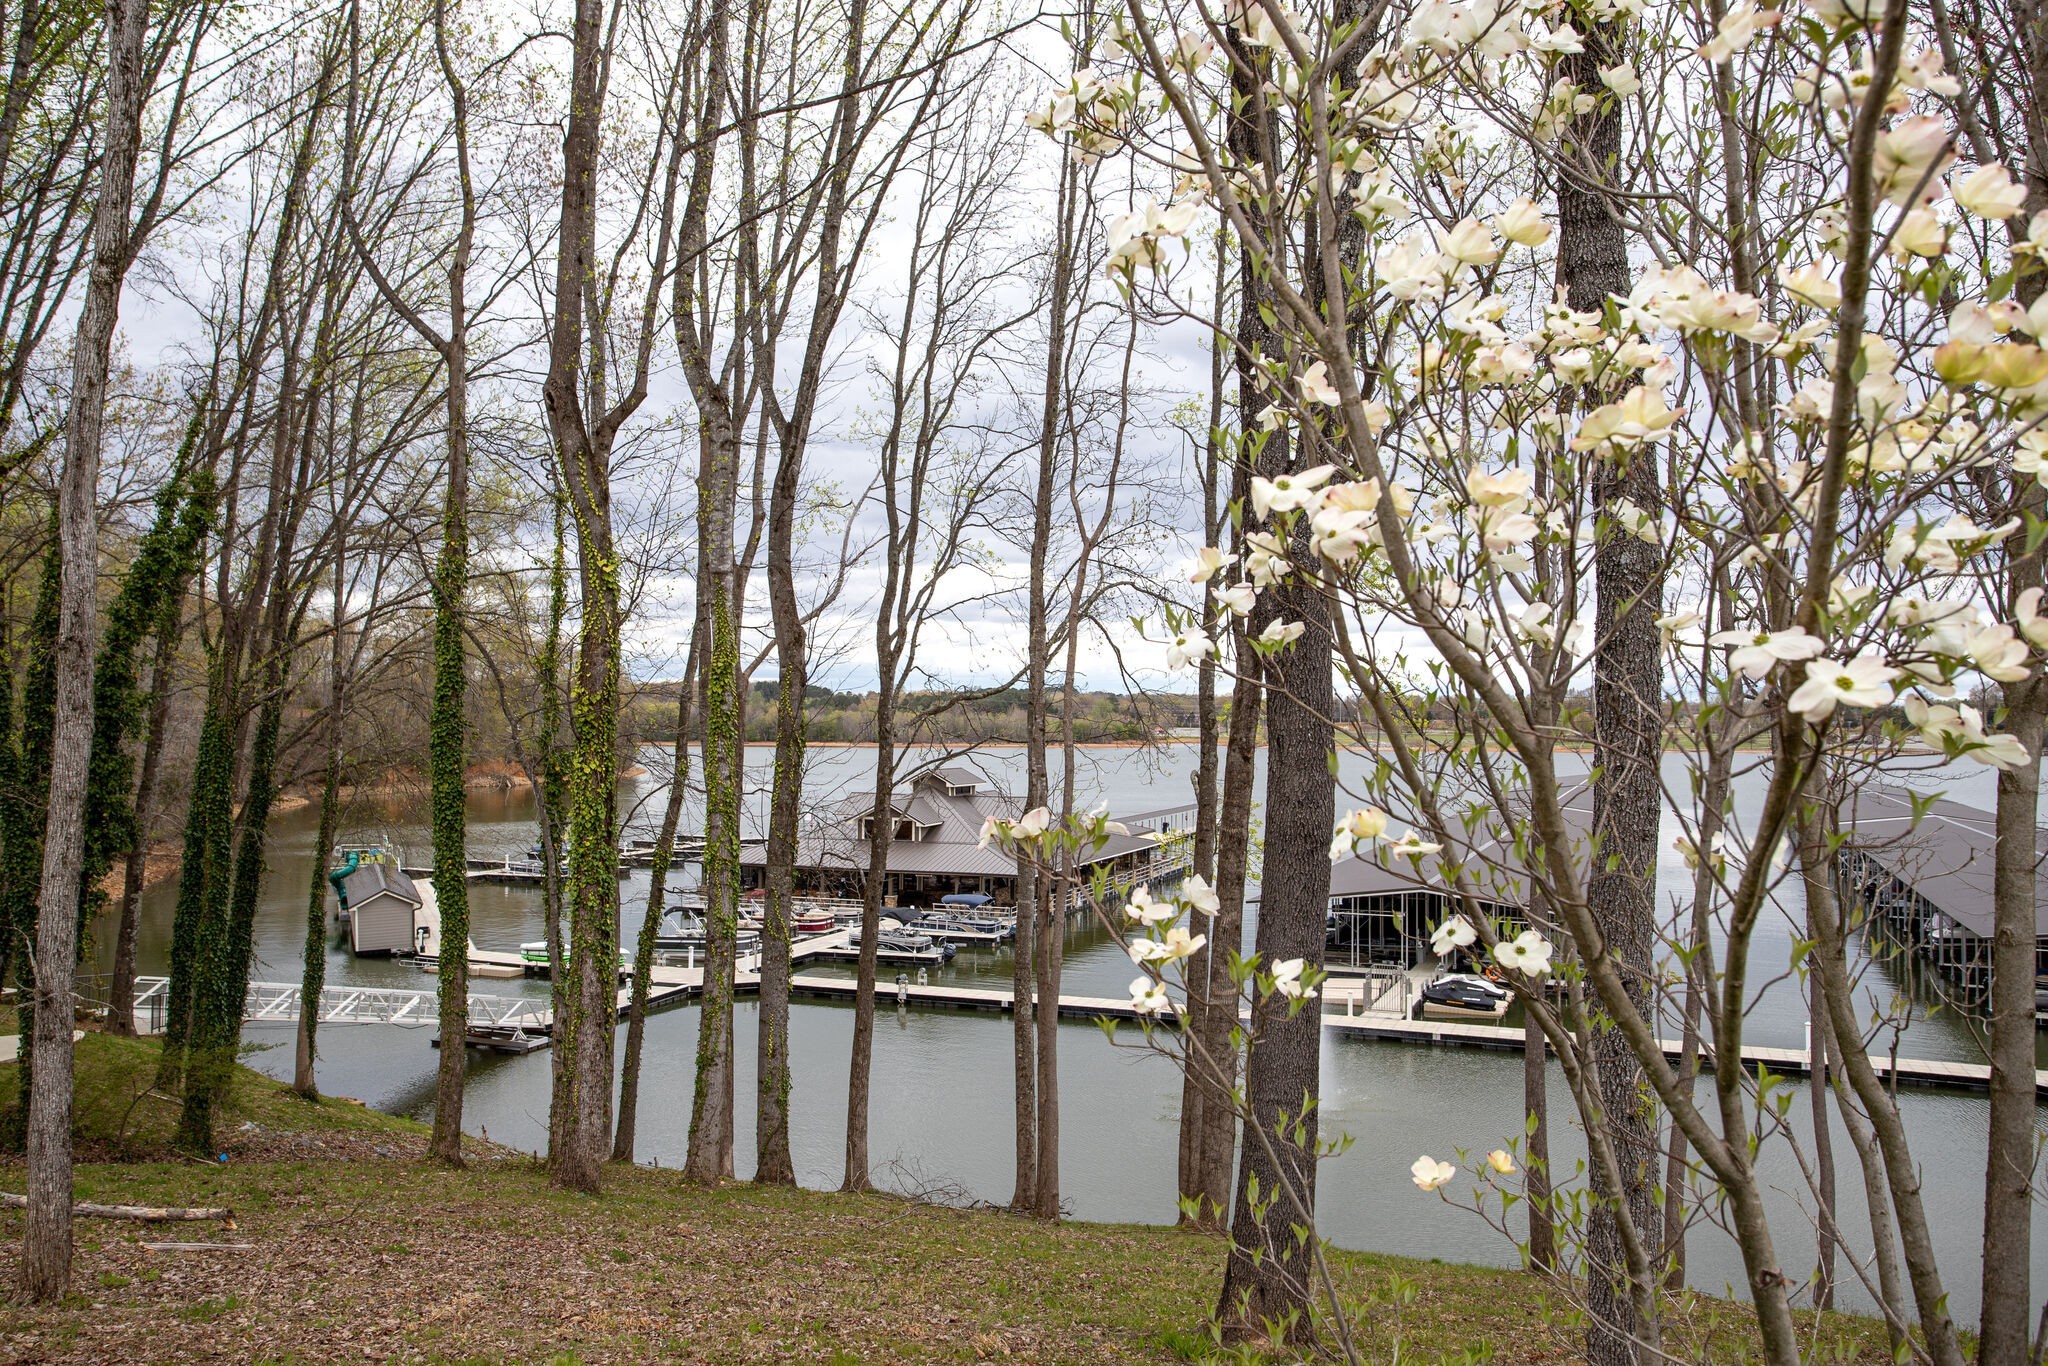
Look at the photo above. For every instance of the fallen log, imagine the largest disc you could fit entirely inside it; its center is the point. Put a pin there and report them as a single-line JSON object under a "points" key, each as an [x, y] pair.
{"points": [[199, 1247], [147, 1214]]}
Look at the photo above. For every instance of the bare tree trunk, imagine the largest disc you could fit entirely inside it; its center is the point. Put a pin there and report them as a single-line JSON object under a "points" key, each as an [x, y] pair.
{"points": [[1627, 734], [1677, 1173], [1887, 1132], [772, 1162], [723, 745], [1268, 1279], [657, 891], [313, 980], [577, 374], [2010, 1162], [1055, 895], [447, 746], [1038, 904], [1195, 1091], [2010, 1159], [1536, 1152], [46, 1246], [720, 418], [1024, 1031], [1220, 1059], [1816, 868], [2003, 1325], [880, 832], [121, 995], [1876, 1195], [1217, 1054], [314, 972]]}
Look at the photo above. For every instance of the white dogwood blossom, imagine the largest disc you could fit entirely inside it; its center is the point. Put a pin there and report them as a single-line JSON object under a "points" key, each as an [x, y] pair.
{"points": [[1527, 953], [1864, 681]]}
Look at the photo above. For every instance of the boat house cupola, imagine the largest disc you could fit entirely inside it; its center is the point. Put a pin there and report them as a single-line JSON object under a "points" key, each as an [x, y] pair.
{"points": [[955, 780]]}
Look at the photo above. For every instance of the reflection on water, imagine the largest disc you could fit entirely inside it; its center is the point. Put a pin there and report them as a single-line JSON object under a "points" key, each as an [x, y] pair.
{"points": [[942, 1112]]}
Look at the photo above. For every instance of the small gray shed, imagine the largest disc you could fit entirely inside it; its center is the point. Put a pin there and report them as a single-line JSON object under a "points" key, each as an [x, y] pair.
{"points": [[382, 906]]}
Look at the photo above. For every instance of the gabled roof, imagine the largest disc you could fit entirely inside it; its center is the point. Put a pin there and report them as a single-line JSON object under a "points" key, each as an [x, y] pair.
{"points": [[372, 880], [959, 775]]}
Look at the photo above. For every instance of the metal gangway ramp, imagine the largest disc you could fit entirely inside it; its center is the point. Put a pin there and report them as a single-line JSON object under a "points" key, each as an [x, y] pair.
{"points": [[278, 1003]]}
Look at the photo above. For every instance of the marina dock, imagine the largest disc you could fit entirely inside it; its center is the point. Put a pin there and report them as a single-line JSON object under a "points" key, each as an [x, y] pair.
{"points": [[1368, 1009], [1347, 1022]]}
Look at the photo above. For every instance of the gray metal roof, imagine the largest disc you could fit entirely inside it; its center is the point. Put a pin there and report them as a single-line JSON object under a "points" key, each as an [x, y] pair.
{"points": [[952, 847], [959, 775], [1485, 855], [1946, 856], [372, 880]]}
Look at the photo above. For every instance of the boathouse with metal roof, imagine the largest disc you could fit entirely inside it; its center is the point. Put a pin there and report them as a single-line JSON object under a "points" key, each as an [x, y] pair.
{"points": [[1383, 907], [935, 849], [1923, 877]]}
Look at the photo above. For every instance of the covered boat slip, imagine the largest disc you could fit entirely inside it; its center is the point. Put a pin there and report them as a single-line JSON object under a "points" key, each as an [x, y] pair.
{"points": [[1923, 876], [935, 849], [1383, 907]]}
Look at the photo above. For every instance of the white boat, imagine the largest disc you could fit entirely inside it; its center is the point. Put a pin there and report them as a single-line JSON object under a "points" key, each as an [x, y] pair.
{"points": [[898, 945], [683, 933], [956, 928]]}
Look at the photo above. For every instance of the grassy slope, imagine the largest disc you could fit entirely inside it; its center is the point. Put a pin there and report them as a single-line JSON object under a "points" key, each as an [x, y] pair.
{"points": [[360, 1250]]}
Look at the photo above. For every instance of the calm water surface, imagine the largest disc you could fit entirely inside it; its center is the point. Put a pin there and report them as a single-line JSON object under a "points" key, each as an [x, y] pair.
{"points": [[942, 1111]]}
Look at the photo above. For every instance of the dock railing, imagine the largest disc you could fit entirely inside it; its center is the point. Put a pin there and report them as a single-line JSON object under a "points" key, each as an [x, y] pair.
{"points": [[1370, 991]]}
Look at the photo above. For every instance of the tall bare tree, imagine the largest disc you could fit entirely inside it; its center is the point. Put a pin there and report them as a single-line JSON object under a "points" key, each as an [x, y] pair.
{"points": [[447, 741], [585, 423], [933, 491], [46, 1248]]}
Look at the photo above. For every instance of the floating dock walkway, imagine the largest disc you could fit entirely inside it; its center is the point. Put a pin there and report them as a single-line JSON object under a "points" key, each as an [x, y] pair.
{"points": [[1348, 1022]]}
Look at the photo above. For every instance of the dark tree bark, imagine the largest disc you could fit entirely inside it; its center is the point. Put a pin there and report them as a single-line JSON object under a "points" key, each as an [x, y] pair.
{"points": [[1265, 1281], [772, 1162], [1196, 1095], [1035, 1026], [1283, 1071], [1218, 1059], [881, 831], [1536, 1153], [1218, 1157], [1592, 263], [2006, 1285], [46, 1246], [1268, 1278], [121, 993], [1049, 898], [710, 1112]]}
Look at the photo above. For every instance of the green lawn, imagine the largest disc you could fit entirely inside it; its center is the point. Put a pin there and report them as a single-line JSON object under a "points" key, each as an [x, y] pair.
{"points": [[358, 1249]]}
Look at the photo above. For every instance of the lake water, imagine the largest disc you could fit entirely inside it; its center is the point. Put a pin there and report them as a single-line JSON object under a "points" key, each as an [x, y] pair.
{"points": [[941, 1118]]}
